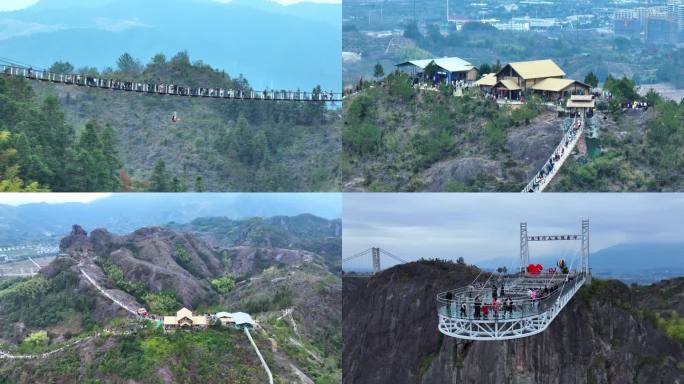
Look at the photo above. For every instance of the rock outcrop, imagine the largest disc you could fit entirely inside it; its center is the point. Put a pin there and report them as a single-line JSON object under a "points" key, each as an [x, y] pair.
{"points": [[160, 258], [390, 336]]}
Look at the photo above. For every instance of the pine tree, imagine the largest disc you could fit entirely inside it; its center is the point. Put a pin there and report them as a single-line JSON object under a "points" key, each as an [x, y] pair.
{"points": [[128, 65], [177, 185], [62, 67], [199, 184], [10, 169], [591, 79], [378, 71], [90, 159], [159, 181], [111, 159]]}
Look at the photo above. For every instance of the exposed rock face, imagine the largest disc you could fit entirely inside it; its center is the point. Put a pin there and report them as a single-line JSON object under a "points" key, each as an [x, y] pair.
{"points": [[160, 258], [247, 259], [530, 146], [390, 336], [437, 177], [77, 242]]}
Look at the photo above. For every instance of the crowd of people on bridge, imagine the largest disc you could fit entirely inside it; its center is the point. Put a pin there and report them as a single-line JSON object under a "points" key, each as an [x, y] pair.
{"points": [[170, 89], [500, 305], [547, 171]]}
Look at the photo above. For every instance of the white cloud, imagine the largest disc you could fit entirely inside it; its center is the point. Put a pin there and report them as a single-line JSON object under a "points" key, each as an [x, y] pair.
{"points": [[118, 25], [10, 28], [15, 5], [16, 199]]}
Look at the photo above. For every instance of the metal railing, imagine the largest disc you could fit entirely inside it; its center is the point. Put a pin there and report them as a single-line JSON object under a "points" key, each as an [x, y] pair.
{"points": [[542, 178], [169, 89], [516, 302]]}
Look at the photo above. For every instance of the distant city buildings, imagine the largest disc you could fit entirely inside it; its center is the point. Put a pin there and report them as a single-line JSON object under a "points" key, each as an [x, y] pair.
{"points": [[661, 24]]}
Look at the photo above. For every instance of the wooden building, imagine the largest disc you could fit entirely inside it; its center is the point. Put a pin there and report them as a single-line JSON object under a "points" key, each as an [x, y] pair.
{"points": [[553, 89], [528, 73], [184, 319]]}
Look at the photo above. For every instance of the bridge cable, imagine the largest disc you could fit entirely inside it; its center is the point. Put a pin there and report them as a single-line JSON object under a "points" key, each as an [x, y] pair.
{"points": [[386, 253], [356, 255]]}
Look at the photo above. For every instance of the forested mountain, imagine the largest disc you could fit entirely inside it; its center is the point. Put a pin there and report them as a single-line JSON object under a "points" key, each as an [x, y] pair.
{"points": [[638, 151], [397, 138], [123, 213], [289, 292], [41, 148], [306, 232], [80, 139]]}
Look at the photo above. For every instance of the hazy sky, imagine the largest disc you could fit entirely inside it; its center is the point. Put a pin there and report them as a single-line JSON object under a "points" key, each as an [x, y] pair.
{"points": [[487, 226], [25, 198], [14, 5]]}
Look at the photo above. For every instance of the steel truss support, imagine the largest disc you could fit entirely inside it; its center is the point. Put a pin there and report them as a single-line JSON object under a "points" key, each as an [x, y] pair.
{"points": [[502, 328], [376, 260], [524, 248], [585, 247]]}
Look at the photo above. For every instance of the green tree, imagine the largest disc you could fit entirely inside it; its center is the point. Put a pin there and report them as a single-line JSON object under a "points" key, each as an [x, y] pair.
{"points": [[497, 67], [363, 139], [9, 169], [35, 340], [160, 179], [128, 65], [62, 67], [591, 79], [223, 285], [484, 69], [431, 69], [111, 165], [177, 185], [411, 31], [199, 184], [159, 59], [378, 71]]}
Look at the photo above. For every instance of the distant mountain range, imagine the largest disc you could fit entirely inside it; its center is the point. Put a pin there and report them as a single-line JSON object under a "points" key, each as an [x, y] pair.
{"points": [[640, 262], [123, 213], [272, 45]]}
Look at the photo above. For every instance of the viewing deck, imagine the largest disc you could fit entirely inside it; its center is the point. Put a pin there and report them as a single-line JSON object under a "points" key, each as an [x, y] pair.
{"points": [[460, 316]]}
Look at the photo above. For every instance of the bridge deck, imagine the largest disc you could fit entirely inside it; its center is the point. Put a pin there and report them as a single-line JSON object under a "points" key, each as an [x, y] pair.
{"points": [[460, 316], [562, 152], [170, 89]]}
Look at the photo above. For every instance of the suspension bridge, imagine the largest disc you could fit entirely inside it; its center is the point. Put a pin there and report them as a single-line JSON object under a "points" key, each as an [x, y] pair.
{"points": [[543, 178], [375, 254], [528, 301], [13, 68]]}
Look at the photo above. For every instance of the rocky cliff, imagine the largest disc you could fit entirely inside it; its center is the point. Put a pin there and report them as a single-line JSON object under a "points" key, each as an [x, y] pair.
{"points": [[390, 336], [162, 259]]}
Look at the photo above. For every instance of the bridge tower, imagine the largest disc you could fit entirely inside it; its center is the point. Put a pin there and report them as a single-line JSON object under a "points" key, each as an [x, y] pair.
{"points": [[524, 248], [376, 259], [585, 250]]}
